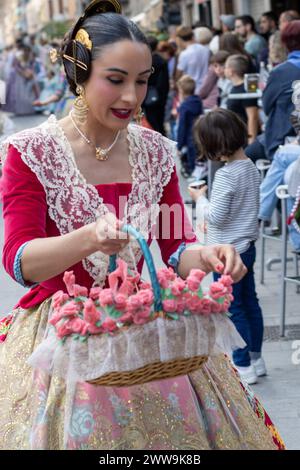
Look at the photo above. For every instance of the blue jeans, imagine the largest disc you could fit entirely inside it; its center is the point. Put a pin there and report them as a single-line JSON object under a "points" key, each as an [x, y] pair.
{"points": [[246, 313], [283, 158]]}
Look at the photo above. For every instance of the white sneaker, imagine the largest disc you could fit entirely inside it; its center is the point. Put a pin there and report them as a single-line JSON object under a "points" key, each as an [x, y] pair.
{"points": [[248, 374], [259, 366]]}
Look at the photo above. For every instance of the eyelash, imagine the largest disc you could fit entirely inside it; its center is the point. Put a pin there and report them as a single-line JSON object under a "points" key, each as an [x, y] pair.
{"points": [[118, 82]]}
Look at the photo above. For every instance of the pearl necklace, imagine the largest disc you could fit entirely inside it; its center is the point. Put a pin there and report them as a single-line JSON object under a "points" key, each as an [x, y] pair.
{"points": [[101, 154]]}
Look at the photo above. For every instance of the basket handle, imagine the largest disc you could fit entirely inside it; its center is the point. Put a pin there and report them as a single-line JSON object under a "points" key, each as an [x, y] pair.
{"points": [[149, 261]]}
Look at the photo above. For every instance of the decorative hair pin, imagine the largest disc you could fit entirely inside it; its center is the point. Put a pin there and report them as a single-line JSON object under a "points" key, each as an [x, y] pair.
{"points": [[79, 63], [53, 55]]}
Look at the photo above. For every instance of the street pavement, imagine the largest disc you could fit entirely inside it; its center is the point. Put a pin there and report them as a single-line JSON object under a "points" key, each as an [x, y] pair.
{"points": [[279, 391]]}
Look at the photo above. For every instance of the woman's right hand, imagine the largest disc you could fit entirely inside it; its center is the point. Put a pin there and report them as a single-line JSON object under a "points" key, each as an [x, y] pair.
{"points": [[109, 238]]}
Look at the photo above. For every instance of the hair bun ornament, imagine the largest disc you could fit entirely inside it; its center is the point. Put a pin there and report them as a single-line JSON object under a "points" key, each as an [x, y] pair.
{"points": [[102, 6], [83, 37]]}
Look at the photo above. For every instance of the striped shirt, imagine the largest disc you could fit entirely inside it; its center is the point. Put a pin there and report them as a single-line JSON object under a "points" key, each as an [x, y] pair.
{"points": [[232, 214]]}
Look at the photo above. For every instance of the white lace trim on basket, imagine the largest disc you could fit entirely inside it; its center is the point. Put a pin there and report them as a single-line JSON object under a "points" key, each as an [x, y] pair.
{"points": [[158, 341]]}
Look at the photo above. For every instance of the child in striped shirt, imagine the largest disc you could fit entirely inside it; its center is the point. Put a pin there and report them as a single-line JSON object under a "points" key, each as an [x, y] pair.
{"points": [[232, 217]]}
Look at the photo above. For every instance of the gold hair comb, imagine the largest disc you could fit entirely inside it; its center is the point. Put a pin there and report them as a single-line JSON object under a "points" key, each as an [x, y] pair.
{"points": [[83, 37]]}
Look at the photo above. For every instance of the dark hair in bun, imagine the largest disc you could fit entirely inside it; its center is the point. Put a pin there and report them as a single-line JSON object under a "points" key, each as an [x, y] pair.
{"points": [[103, 29]]}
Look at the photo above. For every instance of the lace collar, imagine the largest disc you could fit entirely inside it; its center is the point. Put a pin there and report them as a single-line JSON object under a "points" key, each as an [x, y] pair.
{"points": [[72, 202]]}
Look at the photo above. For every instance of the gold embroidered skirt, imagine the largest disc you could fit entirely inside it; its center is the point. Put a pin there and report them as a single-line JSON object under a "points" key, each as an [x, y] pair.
{"points": [[208, 409]]}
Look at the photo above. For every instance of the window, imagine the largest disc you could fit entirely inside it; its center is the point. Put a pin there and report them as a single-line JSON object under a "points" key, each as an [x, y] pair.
{"points": [[61, 7], [51, 12]]}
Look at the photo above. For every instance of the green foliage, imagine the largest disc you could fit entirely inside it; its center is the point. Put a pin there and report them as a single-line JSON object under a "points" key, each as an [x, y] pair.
{"points": [[57, 29]]}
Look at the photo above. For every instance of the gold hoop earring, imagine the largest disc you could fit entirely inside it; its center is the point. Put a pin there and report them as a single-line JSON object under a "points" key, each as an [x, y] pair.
{"points": [[139, 116], [80, 107]]}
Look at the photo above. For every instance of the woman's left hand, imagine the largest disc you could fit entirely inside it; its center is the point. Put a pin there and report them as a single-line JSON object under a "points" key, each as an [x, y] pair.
{"points": [[222, 259]]}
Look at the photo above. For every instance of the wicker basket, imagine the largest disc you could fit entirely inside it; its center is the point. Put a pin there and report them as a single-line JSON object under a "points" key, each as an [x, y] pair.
{"points": [[150, 372], [157, 370]]}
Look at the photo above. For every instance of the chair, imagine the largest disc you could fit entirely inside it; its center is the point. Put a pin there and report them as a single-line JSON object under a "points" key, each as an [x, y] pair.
{"points": [[263, 165], [283, 195]]}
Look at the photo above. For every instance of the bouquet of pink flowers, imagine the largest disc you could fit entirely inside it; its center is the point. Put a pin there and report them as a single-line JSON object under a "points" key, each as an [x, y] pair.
{"points": [[128, 301]]}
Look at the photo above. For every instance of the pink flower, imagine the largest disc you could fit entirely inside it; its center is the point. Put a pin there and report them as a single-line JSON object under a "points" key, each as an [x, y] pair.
{"points": [[77, 325], [134, 278], [69, 309], [178, 286], [217, 290], [106, 297], [142, 316], [69, 280], [181, 305], [94, 292], [226, 280], [145, 285], [108, 325], [90, 313], [225, 306], [193, 283], [120, 301], [146, 296], [126, 318], [59, 298], [170, 305], [56, 317], [216, 308], [205, 306], [80, 291], [134, 302], [63, 330], [194, 304], [200, 275], [94, 330], [163, 280], [165, 275]]}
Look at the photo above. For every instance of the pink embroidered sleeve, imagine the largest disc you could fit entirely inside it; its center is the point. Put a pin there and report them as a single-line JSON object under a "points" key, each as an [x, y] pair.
{"points": [[24, 207], [174, 224]]}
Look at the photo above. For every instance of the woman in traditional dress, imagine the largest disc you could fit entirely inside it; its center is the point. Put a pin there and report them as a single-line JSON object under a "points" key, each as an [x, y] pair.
{"points": [[59, 180]]}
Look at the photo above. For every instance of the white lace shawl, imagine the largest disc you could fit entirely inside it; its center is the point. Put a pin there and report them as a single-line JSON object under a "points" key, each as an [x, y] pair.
{"points": [[72, 202]]}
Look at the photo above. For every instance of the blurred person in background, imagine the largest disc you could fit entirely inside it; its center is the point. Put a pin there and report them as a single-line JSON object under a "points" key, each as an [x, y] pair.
{"points": [[268, 24], [218, 61], [203, 35], [227, 25], [277, 102], [189, 110], [247, 109], [286, 17], [158, 89], [253, 42], [231, 43], [277, 50], [22, 88], [193, 59], [168, 51]]}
